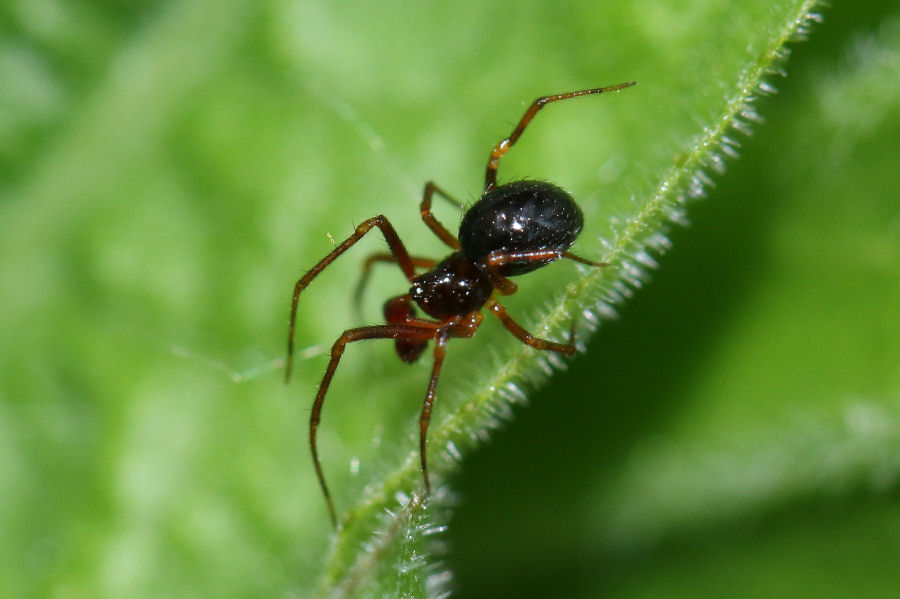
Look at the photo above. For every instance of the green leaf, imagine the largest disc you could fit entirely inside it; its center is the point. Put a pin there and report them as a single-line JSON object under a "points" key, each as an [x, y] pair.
{"points": [[170, 169]]}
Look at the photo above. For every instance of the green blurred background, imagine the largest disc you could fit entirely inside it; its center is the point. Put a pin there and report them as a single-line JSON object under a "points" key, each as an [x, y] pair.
{"points": [[167, 170]]}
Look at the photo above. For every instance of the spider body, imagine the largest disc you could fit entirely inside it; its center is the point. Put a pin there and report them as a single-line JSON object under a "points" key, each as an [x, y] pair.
{"points": [[511, 230], [454, 287], [522, 216]]}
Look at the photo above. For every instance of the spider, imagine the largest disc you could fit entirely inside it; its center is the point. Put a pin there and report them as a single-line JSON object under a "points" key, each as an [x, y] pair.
{"points": [[511, 230]]}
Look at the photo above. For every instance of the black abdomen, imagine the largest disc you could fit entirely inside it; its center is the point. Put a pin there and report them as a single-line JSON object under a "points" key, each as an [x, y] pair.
{"points": [[522, 216]]}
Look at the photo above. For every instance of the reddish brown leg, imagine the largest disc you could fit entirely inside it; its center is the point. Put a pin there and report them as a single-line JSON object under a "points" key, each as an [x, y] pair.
{"points": [[397, 249], [506, 287], [498, 258], [436, 227], [417, 261], [389, 331], [440, 350], [524, 336], [503, 146]]}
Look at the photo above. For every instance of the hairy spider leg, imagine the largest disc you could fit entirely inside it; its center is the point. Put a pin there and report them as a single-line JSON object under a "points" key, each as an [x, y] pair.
{"points": [[436, 227], [501, 257], [420, 331], [496, 259], [523, 335], [503, 146], [397, 249]]}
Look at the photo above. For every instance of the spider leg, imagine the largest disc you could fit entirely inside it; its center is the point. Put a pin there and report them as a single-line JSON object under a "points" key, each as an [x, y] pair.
{"points": [[577, 258], [417, 261], [436, 227], [501, 257], [417, 332], [507, 287], [503, 146], [497, 259], [397, 249], [440, 350], [523, 335]]}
